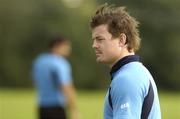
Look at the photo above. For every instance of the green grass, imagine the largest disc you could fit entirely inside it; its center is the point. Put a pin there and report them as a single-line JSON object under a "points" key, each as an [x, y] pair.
{"points": [[21, 104]]}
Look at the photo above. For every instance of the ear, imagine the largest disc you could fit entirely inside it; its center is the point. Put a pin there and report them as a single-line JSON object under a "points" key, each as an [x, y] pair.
{"points": [[122, 39]]}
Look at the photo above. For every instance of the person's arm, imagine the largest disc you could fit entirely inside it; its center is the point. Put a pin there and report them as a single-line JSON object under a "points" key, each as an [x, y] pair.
{"points": [[70, 95], [66, 87]]}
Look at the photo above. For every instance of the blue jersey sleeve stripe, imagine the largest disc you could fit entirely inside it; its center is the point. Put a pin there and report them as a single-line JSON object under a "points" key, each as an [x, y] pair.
{"points": [[148, 102]]}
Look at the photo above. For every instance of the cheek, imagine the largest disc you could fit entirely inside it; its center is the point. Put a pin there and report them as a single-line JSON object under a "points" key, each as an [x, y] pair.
{"points": [[111, 51], [109, 48]]}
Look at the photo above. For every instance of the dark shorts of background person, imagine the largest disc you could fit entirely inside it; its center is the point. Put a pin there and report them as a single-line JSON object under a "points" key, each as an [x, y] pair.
{"points": [[52, 113]]}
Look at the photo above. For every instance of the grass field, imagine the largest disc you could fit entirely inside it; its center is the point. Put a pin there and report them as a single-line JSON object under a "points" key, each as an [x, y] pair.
{"points": [[21, 104]]}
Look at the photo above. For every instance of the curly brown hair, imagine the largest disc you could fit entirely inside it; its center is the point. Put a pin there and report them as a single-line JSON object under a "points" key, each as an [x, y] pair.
{"points": [[118, 21]]}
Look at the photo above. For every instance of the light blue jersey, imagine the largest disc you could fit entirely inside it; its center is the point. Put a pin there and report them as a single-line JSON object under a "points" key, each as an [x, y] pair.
{"points": [[129, 87], [49, 73]]}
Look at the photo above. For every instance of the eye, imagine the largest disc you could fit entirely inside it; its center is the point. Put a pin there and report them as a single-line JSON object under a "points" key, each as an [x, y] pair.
{"points": [[98, 39]]}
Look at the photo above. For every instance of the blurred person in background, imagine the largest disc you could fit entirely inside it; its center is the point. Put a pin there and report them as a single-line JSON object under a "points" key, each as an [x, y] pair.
{"points": [[132, 93], [53, 80]]}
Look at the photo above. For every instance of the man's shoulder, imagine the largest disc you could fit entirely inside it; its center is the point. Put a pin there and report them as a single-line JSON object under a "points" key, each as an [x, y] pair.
{"points": [[45, 59], [132, 76], [133, 70]]}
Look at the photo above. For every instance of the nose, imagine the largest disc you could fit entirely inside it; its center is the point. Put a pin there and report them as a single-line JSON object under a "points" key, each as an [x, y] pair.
{"points": [[94, 45]]}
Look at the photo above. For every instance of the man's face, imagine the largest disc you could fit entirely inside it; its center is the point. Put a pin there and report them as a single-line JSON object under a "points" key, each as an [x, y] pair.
{"points": [[106, 48], [64, 49]]}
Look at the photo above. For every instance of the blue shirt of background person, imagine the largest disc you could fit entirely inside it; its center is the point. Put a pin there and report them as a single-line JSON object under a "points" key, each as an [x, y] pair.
{"points": [[49, 72], [52, 77], [132, 93]]}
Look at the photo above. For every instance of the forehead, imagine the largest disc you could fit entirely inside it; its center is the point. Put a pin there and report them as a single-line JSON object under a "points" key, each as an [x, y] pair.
{"points": [[101, 31]]}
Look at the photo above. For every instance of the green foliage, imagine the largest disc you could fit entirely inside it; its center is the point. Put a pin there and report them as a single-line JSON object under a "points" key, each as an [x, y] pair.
{"points": [[26, 25], [24, 32]]}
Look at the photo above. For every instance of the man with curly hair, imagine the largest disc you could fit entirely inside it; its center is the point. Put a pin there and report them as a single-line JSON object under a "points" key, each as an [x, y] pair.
{"points": [[132, 93]]}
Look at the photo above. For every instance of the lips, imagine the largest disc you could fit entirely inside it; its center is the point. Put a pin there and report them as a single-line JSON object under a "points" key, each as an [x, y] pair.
{"points": [[98, 53]]}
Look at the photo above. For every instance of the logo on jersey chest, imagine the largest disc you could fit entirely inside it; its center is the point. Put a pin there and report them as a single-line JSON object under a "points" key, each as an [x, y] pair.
{"points": [[125, 105]]}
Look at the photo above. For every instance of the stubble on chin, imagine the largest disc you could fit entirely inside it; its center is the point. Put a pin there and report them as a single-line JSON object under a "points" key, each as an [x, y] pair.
{"points": [[98, 60]]}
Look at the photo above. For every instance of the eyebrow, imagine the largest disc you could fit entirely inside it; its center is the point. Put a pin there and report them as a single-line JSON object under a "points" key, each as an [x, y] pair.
{"points": [[97, 37]]}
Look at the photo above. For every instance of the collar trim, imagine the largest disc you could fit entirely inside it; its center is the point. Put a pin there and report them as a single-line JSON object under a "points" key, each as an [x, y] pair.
{"points": [[125, 60]]}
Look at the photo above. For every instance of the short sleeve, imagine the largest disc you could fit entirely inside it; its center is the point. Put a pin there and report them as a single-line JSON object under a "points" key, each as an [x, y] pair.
{"points": [[126, 98], [64, 74]]}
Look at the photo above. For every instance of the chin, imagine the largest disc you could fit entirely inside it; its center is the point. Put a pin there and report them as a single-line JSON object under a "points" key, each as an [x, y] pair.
{"points": [[100, 60]]}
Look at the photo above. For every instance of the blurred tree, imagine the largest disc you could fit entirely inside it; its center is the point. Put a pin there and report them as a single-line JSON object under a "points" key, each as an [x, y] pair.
{"points": [[26, 25]]}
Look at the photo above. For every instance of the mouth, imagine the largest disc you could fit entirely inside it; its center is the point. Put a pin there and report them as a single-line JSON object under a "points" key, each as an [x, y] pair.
{"points": [[98, 53]]}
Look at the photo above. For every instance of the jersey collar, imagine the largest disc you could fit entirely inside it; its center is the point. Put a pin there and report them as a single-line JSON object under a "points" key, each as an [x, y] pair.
{"points": [[125, 60]]}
